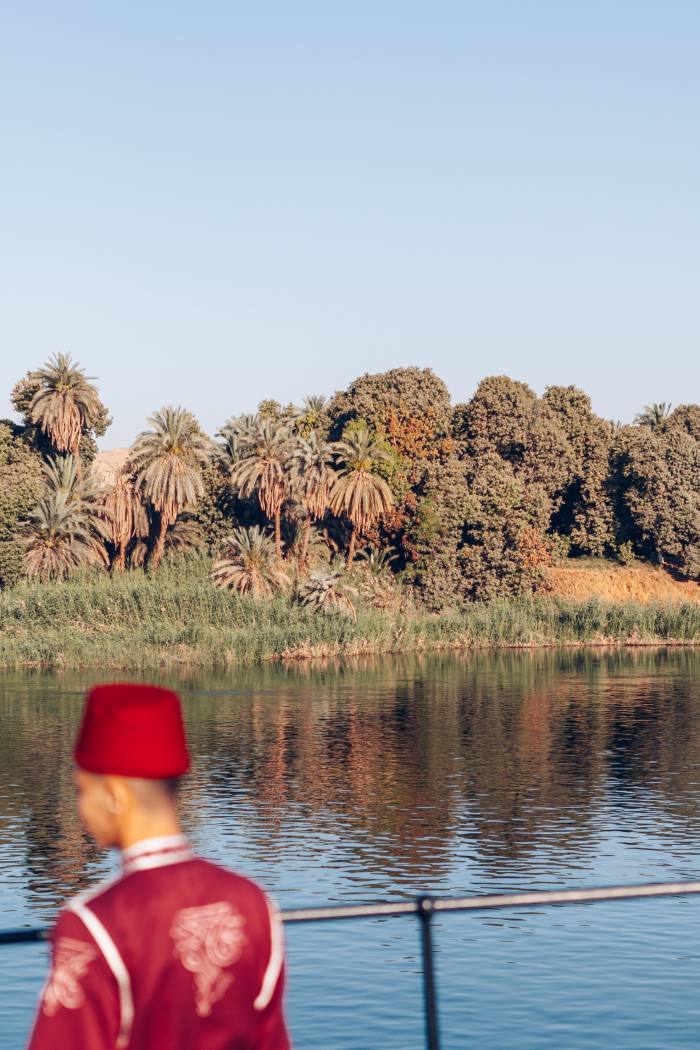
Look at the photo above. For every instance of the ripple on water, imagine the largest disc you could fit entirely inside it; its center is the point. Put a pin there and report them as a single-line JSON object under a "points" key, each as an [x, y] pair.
{"points": [[459, 775]]}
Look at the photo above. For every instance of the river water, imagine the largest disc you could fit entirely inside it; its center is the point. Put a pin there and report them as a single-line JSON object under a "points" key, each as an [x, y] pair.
{"points": [[454, 774]]}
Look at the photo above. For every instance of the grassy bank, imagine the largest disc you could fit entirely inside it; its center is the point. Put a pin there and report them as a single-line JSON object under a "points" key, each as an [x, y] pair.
{"points": [[176, 617]]}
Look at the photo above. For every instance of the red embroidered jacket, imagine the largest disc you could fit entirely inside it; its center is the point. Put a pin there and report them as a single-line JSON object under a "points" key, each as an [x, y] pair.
{"points": [[175, 953]]}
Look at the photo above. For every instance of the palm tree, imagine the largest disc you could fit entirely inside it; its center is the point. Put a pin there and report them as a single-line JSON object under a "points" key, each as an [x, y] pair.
{"points": [[126, 514], [65, 403], [378, 562], [307, 417], [313, 478], [238, 434], [69, 526], [62, 476], [168, 462], [305, 548], [59, 538], [654, 416], [314, 404], [249, 564], [262, 465], [182, 537], [326, 591], [359, 493]]}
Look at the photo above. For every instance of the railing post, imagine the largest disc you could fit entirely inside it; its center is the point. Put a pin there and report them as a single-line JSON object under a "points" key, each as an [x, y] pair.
{"points": [[425, 916]]}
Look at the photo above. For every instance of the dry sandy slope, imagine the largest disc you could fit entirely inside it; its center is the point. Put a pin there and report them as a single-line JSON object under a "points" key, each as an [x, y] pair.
{"points": [[107, 465], [634, 583]]}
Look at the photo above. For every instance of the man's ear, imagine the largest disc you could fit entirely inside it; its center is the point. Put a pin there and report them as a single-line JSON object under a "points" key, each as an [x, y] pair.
{"points": [[117, 795]]}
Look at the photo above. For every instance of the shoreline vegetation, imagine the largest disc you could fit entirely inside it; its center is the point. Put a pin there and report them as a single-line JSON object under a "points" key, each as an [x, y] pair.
{"points": [[384, 519], [136, 622]]}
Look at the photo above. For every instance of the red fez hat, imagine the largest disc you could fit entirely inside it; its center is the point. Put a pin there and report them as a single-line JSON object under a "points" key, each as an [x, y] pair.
{"points": [[132, 730]]}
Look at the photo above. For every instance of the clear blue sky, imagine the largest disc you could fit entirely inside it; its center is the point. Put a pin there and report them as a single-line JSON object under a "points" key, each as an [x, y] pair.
{"points": [[212, 203]]}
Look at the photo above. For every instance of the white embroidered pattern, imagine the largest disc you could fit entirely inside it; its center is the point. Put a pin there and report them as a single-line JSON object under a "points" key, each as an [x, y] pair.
{"points": [[71, 960], [207, 939]]}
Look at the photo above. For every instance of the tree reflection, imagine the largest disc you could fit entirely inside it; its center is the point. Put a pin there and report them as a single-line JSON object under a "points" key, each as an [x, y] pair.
{"points": [[418, 771]]}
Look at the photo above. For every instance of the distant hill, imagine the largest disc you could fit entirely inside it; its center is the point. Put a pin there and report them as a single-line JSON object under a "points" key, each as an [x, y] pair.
{"points": [[107, 465]]}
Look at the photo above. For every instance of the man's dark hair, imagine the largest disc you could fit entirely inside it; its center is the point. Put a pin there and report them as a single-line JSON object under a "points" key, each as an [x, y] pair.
{"points": [[172, 785]]}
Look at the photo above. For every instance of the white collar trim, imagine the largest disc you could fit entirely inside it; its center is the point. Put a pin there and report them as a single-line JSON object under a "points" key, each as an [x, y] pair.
{"points": [[158, 844], [158, 860]]}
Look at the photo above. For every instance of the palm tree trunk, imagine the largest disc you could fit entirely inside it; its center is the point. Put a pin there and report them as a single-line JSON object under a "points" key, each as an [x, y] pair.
{"points": [[75, 452], [121, 557], [351, 548], [157, 555], [305, 545], [278, 532]]}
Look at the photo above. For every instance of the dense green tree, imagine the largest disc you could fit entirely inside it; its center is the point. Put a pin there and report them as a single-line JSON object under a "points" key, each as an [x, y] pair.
{"points": [[21, 484], [275, 412], [21, 477], [410, 407], [219, 510], [11, 562], [506, 418], [505, 547], [687, 417], [585, 511], [480, 532], [436, 533], [657, 475], [515, 463]]}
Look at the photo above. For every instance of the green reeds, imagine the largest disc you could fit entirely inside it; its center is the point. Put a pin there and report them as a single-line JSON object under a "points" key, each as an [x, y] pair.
{"points": [[176, 617]]}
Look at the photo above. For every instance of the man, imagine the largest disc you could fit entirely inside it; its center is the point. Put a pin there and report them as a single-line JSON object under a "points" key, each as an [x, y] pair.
{"points": [[175, 952]]}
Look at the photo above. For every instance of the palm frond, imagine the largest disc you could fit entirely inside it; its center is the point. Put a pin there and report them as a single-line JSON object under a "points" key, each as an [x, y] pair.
{"points": [[262, 465], [249, 564], [168, 461], [312, 473], [654, 416], [65, 403], [326, 590], [61, 535]]}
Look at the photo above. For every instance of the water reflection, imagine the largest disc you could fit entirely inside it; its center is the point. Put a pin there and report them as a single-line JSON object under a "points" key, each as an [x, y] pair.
{"points": [[369, 780]]}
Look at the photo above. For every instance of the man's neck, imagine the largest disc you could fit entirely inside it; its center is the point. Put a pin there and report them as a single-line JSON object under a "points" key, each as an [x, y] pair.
{"points": [[142, 826]]}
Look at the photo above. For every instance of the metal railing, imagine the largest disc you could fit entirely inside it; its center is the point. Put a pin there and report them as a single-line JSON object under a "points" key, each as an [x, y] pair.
{"points": [[425, 907]]}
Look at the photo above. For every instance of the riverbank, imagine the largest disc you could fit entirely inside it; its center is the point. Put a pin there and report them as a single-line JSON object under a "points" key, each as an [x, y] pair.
{"points": [[580, 579], [176, 618]]}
